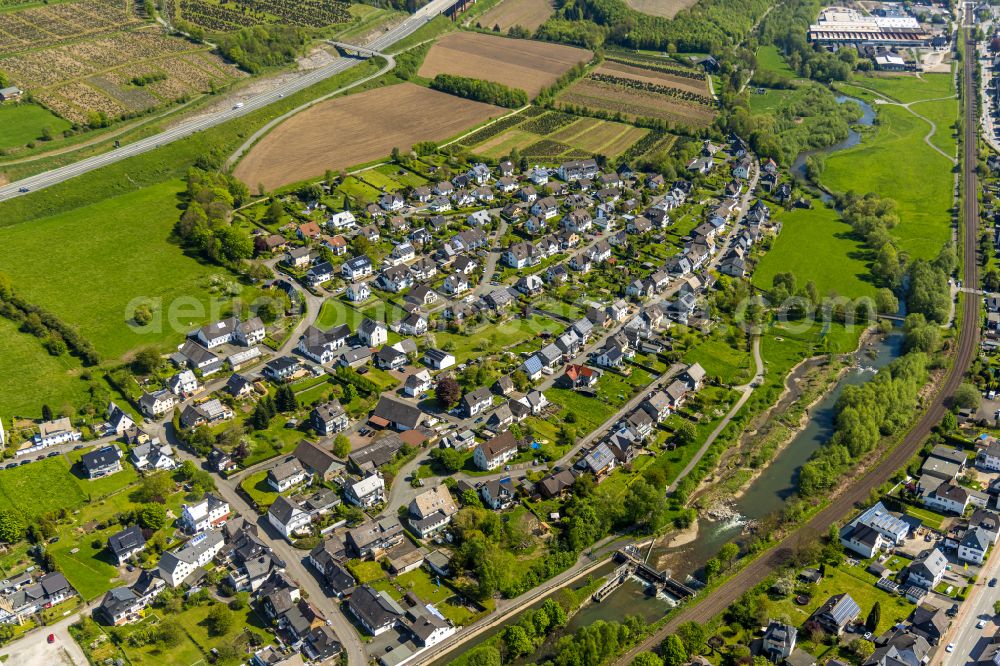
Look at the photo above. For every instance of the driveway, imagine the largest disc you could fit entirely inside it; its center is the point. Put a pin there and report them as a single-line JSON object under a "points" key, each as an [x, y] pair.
{"points": [[34, 648]]}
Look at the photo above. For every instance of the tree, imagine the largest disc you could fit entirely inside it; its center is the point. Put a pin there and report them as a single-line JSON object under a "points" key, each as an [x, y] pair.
{"points": [[219, 620], [673, 651], [146, 360], [647, 659], [712, 568], [46, 413], [153, 516], [341, 446], [729, 552], [169, 633], [285, 400], [516, 641], [862, 649], [685, 433], [447, 392], [450, 459], [154, 488], [486, 655], [693, 636], [11, 526], [874, 615], [966, 397]]}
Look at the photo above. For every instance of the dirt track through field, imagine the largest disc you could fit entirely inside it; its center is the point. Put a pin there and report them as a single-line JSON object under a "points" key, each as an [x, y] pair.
{"points": [[518, 63], [356, 129]]}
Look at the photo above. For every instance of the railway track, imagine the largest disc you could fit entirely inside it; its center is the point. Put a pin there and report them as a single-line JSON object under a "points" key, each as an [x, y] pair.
{"points": [[968, 340]]}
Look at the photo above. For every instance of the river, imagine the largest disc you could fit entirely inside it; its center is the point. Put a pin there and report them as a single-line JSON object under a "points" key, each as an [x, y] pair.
{"points": [[853, 137], [765, 495]]}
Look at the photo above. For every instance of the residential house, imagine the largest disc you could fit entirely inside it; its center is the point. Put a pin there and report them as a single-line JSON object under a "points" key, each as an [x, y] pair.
{"points": [[393, 413], [372, 538], [320, 346], [836, 613], [357, 268], [372, 333], [209, 513], [318, 461], [101, 462], [496, 452], [329, 418], [438, 359], [366, 493], [176, 565], [288, 517], [477, 401], [928, 570], [125, 544], [431, 510], [286, 475]]}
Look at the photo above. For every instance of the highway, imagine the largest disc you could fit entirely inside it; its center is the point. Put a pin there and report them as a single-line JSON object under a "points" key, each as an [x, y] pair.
{"points": [[703, 610], [61, 174]]}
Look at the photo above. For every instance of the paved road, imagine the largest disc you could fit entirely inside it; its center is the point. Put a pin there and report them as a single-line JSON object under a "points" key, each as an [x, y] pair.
{"points": [[969, 639], [34, 648], [183, 130], [722, 597]]}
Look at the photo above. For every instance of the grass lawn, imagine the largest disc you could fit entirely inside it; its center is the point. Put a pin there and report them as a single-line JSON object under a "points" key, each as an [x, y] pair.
{"points": [[909, 88], [186, 653], [108, 255], [814, 244], [259, 490], [42, 486], [492, 338], [857, 583], [53, 380], [24, 122], [366, 571], [771, 100], [769, 59], [720, 356], [929, 518], [90, 570], [421, 583], [944, 114], [896, 163], [107, 485]]}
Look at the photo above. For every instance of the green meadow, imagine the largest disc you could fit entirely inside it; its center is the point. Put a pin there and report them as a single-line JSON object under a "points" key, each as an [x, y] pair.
{"points": [[895, 162], [815, 244], [23, 123], [87, 265]]}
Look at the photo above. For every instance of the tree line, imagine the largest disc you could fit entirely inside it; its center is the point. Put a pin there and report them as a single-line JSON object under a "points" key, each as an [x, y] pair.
{"points": [[488, 92], [262, 46]]}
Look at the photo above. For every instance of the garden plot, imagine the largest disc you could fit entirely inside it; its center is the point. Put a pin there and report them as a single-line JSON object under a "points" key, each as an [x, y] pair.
{"points": [[641, 92], [117, 75]]}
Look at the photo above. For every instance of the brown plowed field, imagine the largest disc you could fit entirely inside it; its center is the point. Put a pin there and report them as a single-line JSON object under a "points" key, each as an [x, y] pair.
{"points": [[526, 13], [664, 8], [356, 129], [518, 63]]}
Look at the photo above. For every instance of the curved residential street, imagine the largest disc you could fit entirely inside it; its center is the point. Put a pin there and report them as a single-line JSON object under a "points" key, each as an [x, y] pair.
{"points": [[720, 598]]}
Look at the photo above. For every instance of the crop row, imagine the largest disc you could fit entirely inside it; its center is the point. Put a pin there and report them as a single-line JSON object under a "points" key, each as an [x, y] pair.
{"points": [[653, 140], [50, 66], [645, 86], [492, 130], [47, 25], [248, 13], [655, 64], [546, 148], [548, 123]]}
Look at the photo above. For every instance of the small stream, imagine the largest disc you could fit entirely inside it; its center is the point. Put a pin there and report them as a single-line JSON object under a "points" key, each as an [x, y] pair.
{"points": [[769, 491], [853, 138], [765, 495]]}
